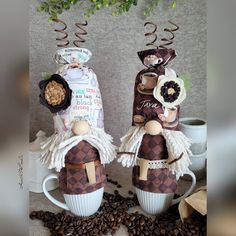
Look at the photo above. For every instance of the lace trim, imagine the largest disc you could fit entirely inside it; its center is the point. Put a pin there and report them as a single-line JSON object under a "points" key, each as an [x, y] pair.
{"points": [[157, 164]]}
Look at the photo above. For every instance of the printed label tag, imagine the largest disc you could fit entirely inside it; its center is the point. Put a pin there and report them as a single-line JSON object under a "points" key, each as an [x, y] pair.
{"points": [[72, 55]]}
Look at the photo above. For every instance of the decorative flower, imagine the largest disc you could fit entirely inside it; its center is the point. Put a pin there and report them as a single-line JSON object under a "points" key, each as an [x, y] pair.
{"points": [[170, 91], [55, 93]]}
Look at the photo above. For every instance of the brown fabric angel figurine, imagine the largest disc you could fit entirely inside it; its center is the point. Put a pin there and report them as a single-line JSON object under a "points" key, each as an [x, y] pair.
{"points": [[154, 146]]}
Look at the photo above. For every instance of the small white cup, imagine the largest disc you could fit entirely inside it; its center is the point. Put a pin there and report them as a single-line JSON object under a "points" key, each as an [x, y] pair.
{"points": [[79, 204], [157, 203], [196, 130]]}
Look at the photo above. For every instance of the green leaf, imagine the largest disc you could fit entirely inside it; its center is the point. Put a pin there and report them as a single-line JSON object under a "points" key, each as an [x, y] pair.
{"points": [[186, 78], [74, 1], [174, 4], [50, 19], [40, 8], [98, 6], [54, 7], [59, 11], [46, 75]]}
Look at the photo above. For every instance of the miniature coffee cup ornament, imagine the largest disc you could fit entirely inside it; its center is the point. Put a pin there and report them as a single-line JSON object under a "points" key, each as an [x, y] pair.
{"points": [[148, 83], [152, 60], [79, 148]]}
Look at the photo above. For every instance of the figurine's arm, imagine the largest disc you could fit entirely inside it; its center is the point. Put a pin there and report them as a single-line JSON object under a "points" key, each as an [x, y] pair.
{"points": [[91, 173]]}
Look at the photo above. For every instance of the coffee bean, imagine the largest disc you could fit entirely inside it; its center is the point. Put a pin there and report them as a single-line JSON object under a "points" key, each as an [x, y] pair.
{"points": [[142, 222], [113, 213], [70, 231], [130, 193], [116, 192], [132, 218]]}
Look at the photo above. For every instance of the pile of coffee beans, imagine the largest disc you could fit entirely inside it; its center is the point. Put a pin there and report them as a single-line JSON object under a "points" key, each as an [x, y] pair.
{"points": [[194, 226], [113, 213]]}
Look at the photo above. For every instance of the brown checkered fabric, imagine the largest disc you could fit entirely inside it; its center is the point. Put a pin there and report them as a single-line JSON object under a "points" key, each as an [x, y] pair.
{"points": [[75, 181], [153, 148], [82, 153], [158, 181]]}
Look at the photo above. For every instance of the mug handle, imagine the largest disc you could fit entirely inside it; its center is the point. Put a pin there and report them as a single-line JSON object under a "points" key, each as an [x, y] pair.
{"points": [[49, 196], [189, 191]]}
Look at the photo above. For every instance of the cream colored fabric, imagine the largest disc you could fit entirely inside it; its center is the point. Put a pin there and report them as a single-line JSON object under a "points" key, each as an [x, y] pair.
{"points": [[55, 148], [143, 169], [131, 143]]}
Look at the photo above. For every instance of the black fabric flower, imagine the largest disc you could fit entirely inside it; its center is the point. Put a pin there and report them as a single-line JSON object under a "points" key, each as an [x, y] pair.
{"points": [[55, 93], [170, 91]]}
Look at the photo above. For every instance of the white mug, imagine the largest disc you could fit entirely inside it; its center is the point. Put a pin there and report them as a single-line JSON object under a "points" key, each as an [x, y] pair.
{"points": [[196, 130], [79, 204], [198, 166], [37, 172], [157, 203]]}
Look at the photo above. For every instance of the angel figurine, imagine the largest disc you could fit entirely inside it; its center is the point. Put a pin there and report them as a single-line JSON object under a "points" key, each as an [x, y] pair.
{"points": [[79, 147]]}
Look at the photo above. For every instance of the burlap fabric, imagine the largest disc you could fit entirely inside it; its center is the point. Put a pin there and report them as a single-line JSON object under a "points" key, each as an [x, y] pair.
{"points": [[73, 180]]}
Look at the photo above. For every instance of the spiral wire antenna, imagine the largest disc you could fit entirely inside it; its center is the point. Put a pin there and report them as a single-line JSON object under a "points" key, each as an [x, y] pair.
{"points": [[63, 40], [170, 40], [79, 34], [151, 34]]}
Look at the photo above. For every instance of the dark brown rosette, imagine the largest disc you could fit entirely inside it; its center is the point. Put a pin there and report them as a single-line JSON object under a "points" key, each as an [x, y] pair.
{"points": [[55, 93]]}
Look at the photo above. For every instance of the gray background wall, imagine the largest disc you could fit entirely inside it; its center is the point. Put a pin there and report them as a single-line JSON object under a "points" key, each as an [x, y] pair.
{"points": [[114, 42]]}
